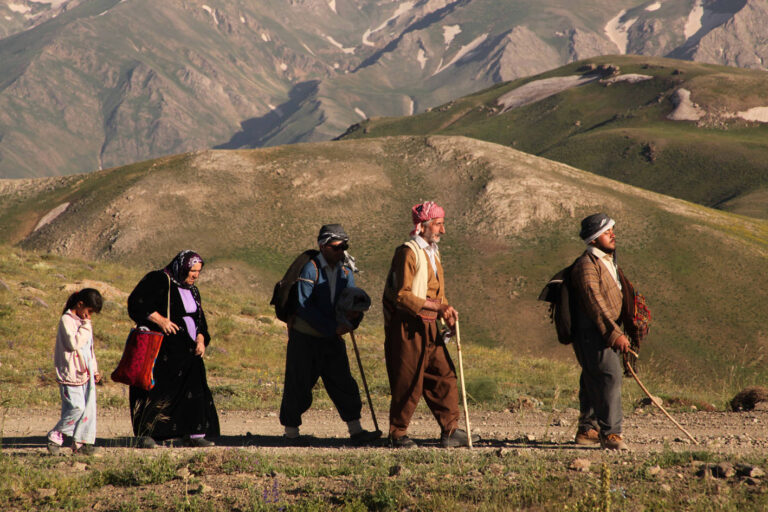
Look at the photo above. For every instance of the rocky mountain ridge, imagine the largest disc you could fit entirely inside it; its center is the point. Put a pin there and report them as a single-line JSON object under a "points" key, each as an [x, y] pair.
{"points": [[89, 84]]}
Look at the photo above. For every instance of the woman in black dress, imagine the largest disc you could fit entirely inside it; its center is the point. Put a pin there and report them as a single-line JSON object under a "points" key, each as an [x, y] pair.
{"points": [[180, 405]]}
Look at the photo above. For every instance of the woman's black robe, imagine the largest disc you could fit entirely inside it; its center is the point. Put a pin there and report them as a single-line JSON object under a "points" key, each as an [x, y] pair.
{"points": [[180, 403]]}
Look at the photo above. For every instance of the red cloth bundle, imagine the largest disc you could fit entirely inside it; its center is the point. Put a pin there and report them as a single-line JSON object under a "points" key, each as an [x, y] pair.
{"points": [[138, 362]]}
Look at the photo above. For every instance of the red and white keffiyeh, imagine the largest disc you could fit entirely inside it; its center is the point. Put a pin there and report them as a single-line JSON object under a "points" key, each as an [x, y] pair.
{"points": [[423, 212]]}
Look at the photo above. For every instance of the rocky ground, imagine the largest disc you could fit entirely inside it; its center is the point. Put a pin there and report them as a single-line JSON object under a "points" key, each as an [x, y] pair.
{"points": [[726, 433]]}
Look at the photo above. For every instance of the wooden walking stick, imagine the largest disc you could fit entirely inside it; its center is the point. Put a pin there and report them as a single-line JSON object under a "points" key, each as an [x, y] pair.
{"points": [[463, 388], [365, 383], [653, 400]]}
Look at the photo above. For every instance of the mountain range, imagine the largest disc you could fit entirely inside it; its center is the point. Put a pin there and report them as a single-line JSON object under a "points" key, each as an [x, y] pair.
{"points": [[690, 130], [90, 84]]}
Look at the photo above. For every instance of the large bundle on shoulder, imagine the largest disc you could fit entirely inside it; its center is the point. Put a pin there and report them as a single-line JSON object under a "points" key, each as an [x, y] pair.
{"points": [[285, 296]]}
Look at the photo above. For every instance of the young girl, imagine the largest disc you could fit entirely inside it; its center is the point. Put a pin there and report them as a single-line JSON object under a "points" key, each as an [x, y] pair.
{"points": [[77, 373]]}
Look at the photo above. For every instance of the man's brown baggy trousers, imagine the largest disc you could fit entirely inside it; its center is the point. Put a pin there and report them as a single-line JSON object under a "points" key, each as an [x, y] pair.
{"points": [[418, 364]]}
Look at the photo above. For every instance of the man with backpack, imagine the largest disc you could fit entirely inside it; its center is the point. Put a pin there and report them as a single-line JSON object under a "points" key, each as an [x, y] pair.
{"points": [[595, 284], [417, 360], [315, 346]]}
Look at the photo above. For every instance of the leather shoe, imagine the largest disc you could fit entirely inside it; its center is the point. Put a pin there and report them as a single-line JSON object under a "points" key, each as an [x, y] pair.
{"points": [[613, 442], [402, 442], [145, 442], [457, 438], [198, 442], [587, 438]]}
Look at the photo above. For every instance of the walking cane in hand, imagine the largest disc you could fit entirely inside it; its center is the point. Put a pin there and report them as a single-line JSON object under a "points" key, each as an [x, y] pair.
{"points": [[654, 400], [365, 382], [463, 388]]}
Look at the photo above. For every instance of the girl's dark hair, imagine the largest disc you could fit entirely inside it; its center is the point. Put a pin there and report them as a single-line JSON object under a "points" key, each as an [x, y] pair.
{"points": [[90, 297]]}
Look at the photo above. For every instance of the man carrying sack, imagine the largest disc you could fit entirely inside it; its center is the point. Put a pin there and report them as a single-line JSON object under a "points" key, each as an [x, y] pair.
{"points": [[417, 360], [315, 346], [597, 337]]}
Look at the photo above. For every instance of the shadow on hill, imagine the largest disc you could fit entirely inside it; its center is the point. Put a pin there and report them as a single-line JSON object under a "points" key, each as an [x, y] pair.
{"points": [[255, 132]]}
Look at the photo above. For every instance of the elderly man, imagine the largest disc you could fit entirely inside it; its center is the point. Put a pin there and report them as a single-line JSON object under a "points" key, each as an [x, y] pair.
{"points": [[597, 336], [315, 346], [417, 361]]}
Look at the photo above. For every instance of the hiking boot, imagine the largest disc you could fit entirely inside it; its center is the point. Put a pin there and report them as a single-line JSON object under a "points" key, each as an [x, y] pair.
{"points": [[402, 442], [86, 449], [198, 442], [145, 442], [365, 437], [613, 442], [587, 438], [457, 438]]}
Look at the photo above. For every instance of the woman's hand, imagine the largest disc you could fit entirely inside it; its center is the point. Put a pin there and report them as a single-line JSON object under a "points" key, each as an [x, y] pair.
{"points": [[165, 324], [97, 377], [200, 345]]}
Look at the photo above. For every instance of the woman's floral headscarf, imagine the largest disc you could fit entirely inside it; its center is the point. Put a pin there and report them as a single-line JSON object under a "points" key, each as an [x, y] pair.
{"points": [[179, 267]]}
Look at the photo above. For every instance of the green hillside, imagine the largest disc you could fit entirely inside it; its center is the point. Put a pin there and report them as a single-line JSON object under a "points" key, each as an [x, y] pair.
{"points": [[512, 223], [621, 131]]}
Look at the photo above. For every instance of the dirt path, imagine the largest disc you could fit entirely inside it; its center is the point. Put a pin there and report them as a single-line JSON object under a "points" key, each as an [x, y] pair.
{"points": [[718, 432]]}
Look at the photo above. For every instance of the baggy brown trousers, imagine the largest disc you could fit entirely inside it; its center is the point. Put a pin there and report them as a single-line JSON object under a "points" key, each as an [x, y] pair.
{"points": [[418, 364]]}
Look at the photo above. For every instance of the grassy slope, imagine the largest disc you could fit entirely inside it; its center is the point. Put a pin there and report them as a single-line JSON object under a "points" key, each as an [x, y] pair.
{"points": [[613, 131], [708, 323]]}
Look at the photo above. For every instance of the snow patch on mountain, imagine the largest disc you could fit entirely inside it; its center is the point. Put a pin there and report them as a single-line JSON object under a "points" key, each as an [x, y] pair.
{"points": [[449, 32], [654, 7], [401, 9], [212, 12], [694, 22], [540, 89], [332, 5], [55, 4], [685, 109], [462, 52], [421, 56], [631, 78], [265, 37], [19, 8], [307, 48], [759, 114], [339, 45], [360, 113], [617, 31]]}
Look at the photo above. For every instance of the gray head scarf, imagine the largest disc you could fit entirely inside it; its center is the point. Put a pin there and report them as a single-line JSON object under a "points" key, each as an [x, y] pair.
{"points": [[594, 226]]}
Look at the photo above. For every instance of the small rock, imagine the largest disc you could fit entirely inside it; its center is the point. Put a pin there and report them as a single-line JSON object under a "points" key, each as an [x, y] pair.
{"points": [[501, 452], [530, 438], [46, 492], [474, 474], [276, 474], [752, 481], [183, 473], [749, 471], [653, 470], [720, 470], [203, 489], [666, 487], [580, 465], [79, 466]]}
